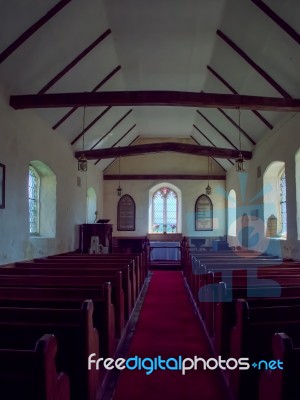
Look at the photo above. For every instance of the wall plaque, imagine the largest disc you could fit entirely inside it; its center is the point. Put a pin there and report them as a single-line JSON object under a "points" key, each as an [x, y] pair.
{"points": [[126, 214], [203, 214]]}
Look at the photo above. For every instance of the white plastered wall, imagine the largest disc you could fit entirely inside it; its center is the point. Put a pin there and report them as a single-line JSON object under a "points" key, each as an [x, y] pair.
{"points": [[282, 143], [25, 137]]}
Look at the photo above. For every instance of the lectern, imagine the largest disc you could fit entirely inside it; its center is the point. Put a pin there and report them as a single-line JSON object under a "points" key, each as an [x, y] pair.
{"points": [[103, 231]]}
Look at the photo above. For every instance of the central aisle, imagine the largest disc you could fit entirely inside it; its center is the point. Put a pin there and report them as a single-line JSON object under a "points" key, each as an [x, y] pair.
{"points": [[168, 327]]}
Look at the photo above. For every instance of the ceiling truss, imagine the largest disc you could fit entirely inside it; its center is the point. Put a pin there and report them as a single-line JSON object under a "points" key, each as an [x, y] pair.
{"points": [[163, 147], [154, 98]]}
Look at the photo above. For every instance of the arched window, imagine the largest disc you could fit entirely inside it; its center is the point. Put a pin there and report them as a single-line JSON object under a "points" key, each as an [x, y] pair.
{"points": [[41, 200], [165, 211], [275, 206], [34, 201], [232, 213], [282, 213]]}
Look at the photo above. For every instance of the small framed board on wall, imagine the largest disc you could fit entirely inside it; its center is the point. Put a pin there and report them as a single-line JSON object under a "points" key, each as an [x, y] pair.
{"points": [[126, 214], [203, 214]]}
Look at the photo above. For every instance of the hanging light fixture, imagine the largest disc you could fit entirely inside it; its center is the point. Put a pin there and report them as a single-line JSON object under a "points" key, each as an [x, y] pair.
{"points": [[119, 189], [208, 188], [240, 161], [82, 160]]}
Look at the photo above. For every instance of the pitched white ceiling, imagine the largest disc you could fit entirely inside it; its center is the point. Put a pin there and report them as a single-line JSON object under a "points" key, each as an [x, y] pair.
{"points": [[159, 45]]}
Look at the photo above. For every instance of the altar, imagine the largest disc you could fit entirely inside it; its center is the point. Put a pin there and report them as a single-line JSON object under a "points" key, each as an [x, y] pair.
{"points": [[165, 251]]}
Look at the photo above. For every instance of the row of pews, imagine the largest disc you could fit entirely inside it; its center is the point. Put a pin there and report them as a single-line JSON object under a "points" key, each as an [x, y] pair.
{"points": [[55, 312], [250, 306]]}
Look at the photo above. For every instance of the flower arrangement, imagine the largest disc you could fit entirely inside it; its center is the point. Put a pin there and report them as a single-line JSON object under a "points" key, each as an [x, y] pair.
{"points": [[156, 227], [173, 226]]}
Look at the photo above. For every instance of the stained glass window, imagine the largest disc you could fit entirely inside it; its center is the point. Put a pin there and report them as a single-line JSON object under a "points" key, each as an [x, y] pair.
{"points": [[33, 198], [283, 213], [164, 206]]}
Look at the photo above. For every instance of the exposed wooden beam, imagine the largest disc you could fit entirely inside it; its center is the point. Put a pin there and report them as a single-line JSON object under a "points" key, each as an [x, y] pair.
{"points": [[237, 126], [69, 113], [163, 177], [255, 66], [76, 60], [196, 141], [278, 20], [226, 84], [125, 134], [163, 147], [30, 31], [111, 129], [154, 98], [216, 129], [118, 141], [134, 140], [201, 133], [90, 125]]}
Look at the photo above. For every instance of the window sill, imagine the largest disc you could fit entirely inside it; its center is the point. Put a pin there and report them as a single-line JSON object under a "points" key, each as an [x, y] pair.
{"points": [[276, 237], [34, 237]]}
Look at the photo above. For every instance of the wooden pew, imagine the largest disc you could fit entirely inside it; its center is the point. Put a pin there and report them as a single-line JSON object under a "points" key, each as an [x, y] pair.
{"points": [[221, 293], [250, 276], [67, 277], [225, 318], [251, 337], [138, 258], [45, 297], [76, 336], [133, 261], [92, 272], [31, 373], [282, 384], [128, 272], [93, 269], [200, 269]]}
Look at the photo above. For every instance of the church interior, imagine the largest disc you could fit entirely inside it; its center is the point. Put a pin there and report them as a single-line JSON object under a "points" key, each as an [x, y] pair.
{"points": [[149, 199]]}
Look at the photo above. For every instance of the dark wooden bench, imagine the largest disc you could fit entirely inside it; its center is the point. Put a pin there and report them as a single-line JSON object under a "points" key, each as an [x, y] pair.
{"points": [[199, 273], [31, 373], [106, 259], [282, 384], [225, 318], [138, 258], [45, 297], [76, 336], [92, 270], [67, 277], [128, 273], [252, 336], [260, 276]]}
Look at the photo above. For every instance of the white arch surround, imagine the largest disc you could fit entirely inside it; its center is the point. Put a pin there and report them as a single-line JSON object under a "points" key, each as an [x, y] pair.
{"points": [[179, 204], [272, 194], [47, 212], [232, 213], [91, 205]]}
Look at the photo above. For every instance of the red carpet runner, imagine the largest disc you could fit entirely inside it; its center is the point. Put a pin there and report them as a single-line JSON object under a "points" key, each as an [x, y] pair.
{"points": [[167, 327]]}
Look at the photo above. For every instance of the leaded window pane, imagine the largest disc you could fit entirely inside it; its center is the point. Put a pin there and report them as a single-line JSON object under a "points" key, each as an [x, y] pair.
{"points": [[33, 198], [164, 208], [283, 209]]}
